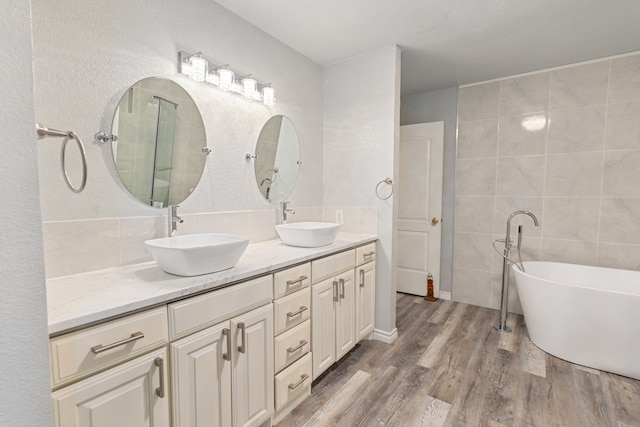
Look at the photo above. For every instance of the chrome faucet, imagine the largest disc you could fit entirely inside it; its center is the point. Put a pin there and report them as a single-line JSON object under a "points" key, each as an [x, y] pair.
{"points": [[174, 219], [501, 325], [285, 211]]}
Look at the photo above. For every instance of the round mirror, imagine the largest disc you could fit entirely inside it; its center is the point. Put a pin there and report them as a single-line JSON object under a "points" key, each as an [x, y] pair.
{"points": [[277, 159], [161, 143]]}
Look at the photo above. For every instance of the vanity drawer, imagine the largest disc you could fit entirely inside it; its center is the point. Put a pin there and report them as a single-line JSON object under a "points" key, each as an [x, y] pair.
{"points": [[291, 310], [89, 350], [332, 265], [293, 381], [291, 345], [291, 280], [365, 253], [194, 314]]}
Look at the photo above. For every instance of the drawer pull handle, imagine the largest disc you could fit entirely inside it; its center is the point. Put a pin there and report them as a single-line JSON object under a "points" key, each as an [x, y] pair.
{"points": [[298, 347], [242, 348], [361, 278], [227, 332], [303, 378], [342, 288], [160, 364], [97, 349], [300, 280], [336, 297], [369, 254], [295, 313]]}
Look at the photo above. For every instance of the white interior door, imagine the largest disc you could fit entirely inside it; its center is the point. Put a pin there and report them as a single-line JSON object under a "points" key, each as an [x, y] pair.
{"points": [[419, 207]]}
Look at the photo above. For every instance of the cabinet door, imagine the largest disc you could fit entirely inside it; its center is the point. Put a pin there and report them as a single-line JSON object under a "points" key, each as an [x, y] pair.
{"points": [[345, 314], [133, 394], [324, 297], [365, 299], [202, 378], [253, 366]]}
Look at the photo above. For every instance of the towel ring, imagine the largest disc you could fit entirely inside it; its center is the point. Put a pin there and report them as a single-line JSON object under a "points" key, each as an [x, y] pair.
{"points": [[379, 190], [63, 150], [44, 132]]}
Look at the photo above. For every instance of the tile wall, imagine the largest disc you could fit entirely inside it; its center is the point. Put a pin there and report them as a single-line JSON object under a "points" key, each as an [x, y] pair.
{"points": [[68, 249], [563, 144]]}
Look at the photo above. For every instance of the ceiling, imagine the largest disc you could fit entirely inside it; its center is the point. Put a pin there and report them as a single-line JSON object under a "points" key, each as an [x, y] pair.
{"points": [[451, 42]]}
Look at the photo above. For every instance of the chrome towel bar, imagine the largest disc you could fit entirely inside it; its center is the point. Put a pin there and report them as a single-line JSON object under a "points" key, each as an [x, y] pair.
{"points": [[44, 132]]}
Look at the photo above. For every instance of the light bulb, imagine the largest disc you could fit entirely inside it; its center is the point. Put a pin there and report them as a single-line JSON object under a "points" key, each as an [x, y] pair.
{"points": [[226, 78], [249, 87], [198, 69], [268, 95]]}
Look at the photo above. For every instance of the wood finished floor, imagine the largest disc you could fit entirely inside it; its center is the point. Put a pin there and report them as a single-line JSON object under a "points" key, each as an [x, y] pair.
{"points": [[449, 367]]}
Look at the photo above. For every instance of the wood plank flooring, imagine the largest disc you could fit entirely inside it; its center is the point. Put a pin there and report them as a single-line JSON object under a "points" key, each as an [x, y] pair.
{"points": [[449, 367]]}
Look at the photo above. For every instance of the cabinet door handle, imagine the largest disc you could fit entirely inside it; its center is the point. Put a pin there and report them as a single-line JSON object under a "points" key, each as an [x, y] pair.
{"points": [[300, 280], [342, 288], [227, 332], [361, 278], [303, 378], [160, 364], [298, 347], [369, 254], [242, 348], [295, 313], [336, 298], [97, 349]]}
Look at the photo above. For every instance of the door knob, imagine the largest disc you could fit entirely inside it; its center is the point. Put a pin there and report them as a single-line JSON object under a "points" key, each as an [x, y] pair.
{"points": [[435, 220]]}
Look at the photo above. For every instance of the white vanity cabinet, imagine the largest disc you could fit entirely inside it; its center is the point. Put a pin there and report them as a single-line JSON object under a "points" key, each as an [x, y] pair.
{"points": [[292, 340], [365, 290], [121, 391], [333, 309], [223, 375]]}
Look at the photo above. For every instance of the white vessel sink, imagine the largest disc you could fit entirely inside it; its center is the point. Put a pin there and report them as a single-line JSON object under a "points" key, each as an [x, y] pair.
{"points": [[195, 254], [308, 234]]}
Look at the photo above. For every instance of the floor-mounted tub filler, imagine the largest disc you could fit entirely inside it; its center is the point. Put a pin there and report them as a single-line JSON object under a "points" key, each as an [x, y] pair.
{"points": [[585, 315]]}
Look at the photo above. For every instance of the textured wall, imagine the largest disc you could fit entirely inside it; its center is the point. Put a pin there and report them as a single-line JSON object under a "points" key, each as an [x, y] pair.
{"points": [[24, 356], [563, 144], [433, 106], [82, 71], [361, 113]]}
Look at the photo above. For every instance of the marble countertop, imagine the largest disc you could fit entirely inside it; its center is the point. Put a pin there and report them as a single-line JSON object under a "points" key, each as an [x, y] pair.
{"points": [[82, 299]]}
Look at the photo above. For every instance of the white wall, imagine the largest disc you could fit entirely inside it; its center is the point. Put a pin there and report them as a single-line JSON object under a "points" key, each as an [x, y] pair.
{"points": [[433, 106], [361, 119], [82, 70], [24, 358]]}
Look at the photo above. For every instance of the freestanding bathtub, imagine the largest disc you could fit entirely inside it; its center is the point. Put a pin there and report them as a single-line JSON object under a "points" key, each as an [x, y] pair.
{"points": [[585, 315]]}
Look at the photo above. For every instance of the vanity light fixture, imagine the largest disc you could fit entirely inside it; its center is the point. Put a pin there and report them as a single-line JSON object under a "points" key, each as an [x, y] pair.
{"points": [[199, 69]]}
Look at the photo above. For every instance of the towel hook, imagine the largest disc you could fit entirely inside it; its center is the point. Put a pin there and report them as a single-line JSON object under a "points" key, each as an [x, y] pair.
{"points": [[44, 132]]}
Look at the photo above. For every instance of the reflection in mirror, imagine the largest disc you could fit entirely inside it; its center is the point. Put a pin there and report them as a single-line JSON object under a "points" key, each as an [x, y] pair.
{"points": [[277, 159], [160, 140]]}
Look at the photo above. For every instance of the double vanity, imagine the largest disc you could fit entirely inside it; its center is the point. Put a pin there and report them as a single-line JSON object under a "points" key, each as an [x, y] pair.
{"points": [[240, 347]]}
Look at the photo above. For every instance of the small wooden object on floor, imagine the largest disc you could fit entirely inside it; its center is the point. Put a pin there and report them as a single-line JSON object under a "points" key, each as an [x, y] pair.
{"points": [[430, 296]]}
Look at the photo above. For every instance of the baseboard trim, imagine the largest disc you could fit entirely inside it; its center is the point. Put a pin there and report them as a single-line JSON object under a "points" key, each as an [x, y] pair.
{"points": [[445, 295], [384, 336]]}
